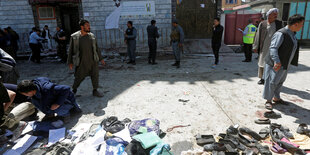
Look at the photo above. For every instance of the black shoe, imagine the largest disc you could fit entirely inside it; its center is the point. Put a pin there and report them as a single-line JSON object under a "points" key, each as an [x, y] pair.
{"points": [[150, 62], [154, 63], [178, 64], [74, 91], [246, 61], [97, 93], [133, 63], [129, 62], [261, 82], [175, 64]]}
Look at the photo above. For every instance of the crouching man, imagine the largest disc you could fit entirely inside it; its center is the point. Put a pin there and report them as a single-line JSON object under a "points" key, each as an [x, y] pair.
{"points": [[49, 97]]}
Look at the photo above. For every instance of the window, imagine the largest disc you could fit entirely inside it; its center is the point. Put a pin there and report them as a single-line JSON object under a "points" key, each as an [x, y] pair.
{"points": [[46, 13], [231, 1]]}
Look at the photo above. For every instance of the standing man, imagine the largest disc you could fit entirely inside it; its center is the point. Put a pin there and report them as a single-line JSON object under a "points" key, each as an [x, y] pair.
{"points": [[216, 39], [263, 39], [248, 39], [284, 51], [130, 40], [47, 36], [34, 42], [60, 38], [177, 40], [152, 33], [84, 54]]}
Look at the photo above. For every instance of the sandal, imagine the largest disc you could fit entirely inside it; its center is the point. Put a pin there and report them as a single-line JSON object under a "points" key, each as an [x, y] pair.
{"points": [[214, 147], [263, 121], [272, 114], [278, 149], [303, 129], [268, 105], [264, 133], [251, 133], [280, 102], [204, 139]]}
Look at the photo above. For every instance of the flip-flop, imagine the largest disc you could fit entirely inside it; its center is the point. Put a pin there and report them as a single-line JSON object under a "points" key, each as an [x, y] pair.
{"points": [[277, 149], [272, 114], [268, 105], [263, 121], [244, 130], [280, 102], [214, 147], [303, 129], [264, 133], [204, 139], [263, 149]]}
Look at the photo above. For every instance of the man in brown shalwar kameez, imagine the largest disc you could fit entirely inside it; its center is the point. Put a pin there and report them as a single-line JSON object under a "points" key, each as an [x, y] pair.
{"points": [[84, 54]]}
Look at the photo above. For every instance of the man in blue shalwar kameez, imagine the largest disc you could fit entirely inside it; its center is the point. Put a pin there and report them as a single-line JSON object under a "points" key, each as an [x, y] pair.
{"points": [[283, 52]]}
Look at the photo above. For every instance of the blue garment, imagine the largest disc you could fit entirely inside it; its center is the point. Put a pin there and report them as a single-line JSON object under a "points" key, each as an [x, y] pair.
{"points": [[49, 93], [158, 149], [115, 146], [35, 38]]}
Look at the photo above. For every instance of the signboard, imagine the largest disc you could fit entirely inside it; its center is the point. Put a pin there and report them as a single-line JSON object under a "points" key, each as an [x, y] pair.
{"points": [[134, 8]]}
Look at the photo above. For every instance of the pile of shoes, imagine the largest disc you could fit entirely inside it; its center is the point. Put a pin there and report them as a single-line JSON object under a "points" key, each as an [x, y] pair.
{"points": [[243, 140], [234, 141]]}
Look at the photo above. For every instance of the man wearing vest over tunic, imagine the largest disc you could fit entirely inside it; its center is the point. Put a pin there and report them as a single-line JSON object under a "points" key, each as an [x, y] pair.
{"points": [[284, 51], [84, 54], [248, 39], [177, 40], [263, 39]]}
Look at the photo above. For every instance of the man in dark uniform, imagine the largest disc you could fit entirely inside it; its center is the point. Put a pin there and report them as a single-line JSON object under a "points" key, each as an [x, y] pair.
{"points": [[60, 38], [217, 39], [177, 40], [152, 33], [84, 54], [130, 40]]}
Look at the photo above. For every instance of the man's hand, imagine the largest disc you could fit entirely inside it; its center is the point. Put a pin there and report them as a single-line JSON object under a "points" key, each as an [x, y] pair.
{"points": [[180, 44], [255, 50], [55, 106], [102, 62], [277, 67], [70, 66]]}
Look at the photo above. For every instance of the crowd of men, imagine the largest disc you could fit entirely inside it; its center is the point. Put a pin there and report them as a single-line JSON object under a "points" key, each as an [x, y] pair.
{"points": [[277, 48]]}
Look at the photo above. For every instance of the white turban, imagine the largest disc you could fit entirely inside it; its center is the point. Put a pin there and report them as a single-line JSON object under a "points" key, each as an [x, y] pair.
{"points": [[272, 11]]}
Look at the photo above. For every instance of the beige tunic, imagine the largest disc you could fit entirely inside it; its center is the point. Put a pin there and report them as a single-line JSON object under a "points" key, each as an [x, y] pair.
{"points": [[271, 29]]}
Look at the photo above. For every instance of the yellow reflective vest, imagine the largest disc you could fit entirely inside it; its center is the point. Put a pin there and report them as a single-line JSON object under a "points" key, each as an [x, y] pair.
{"points": [[249, 37]]}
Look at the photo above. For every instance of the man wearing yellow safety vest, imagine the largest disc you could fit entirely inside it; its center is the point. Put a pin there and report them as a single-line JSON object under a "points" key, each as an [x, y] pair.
{"points": [[248, 40]]}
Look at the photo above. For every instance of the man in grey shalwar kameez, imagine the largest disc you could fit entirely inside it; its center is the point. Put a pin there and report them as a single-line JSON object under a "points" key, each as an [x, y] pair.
{"points": [[283, 52], [263, 36]]}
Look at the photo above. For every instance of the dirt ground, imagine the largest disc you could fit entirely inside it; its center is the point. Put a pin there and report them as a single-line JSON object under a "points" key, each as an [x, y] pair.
{"points": [[218, 97]]}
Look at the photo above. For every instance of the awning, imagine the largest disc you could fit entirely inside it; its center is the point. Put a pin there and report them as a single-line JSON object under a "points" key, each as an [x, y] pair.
{"points": [[236, 8], [52, 1]]}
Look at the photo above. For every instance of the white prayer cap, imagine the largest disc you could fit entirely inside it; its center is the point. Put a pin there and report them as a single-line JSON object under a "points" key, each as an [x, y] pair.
{"points": [[272, 11]]}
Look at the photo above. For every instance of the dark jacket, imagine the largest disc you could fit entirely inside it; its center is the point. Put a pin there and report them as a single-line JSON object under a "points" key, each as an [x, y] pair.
{"points": [[49, 93], [217, 35], [263, 32], [44, 34], [285, 51], [152, 32]]}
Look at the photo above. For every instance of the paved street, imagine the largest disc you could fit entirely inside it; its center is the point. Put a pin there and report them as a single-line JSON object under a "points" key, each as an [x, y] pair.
{"points": [[218, 97]]}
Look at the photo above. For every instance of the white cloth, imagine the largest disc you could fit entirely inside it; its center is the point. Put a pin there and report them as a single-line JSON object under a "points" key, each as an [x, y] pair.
{"points": [[113, 19], [272, 11]]}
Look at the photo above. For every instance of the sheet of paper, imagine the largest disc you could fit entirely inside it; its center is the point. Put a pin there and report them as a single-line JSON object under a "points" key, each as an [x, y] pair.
{"points": [[97, 139], [56, 135], [22, 145], [28, 128], [124, 134]]}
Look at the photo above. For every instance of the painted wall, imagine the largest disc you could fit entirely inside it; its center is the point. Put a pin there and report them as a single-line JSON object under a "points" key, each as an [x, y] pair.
{"points": [[99, 10]]}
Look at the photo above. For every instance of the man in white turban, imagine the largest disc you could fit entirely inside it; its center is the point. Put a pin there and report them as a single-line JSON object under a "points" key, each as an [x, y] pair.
{"points": [[262, 39]]}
